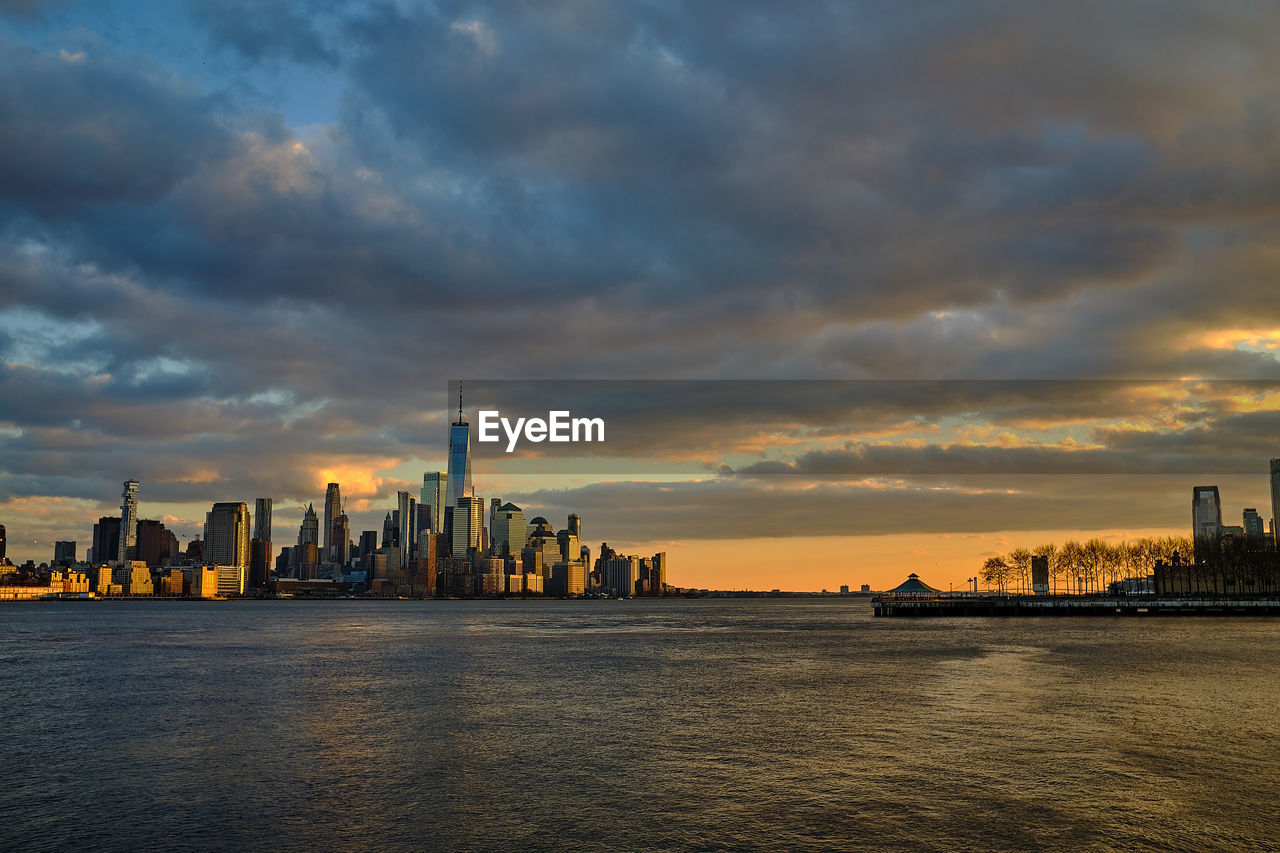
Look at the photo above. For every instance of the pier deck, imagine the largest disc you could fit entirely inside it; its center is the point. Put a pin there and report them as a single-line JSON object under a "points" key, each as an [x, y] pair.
{"points": [[1074, 605]]}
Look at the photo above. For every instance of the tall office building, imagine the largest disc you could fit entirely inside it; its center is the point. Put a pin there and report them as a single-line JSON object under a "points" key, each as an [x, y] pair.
{"points": [[262, 519], [389, 531], [226, 534], [368, 544], [64, 553], [1254, 529], [260, 556], [309, 532], [433, 489], [106, 539], [468, 525], [458, 482], [332, 509], [157, 546], [128, 521], [406, 525], [508, 531], [4, 548], [1275, 503], [575, 525], [1206, 518]]}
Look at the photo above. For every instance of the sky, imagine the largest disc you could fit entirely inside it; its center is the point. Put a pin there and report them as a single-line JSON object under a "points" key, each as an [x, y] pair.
{"points": [[1031, 248]]}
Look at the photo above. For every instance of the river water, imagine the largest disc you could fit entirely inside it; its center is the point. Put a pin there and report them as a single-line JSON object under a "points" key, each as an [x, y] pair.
{"points": [[800, 724]]}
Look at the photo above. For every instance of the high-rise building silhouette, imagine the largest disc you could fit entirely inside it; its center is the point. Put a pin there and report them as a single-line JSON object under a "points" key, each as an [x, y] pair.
{"points": [[406, 525], [64, 553], [458, 482], [260, 548], [106, 539], [1254, 529], [432, 497], [1275, 503], [1206, 518], [332, 509], [508, 530], [4, 548], [157, 546], [468, 525], [128, 521], [388, 531], [309, 531], [226, 535], [262, 519]]}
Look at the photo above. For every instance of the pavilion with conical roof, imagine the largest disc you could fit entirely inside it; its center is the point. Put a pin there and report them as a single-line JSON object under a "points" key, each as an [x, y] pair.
{"points": [[913, 586]]}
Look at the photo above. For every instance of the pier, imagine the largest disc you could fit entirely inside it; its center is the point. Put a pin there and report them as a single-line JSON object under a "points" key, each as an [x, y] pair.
{"points": [[1073, 605]]}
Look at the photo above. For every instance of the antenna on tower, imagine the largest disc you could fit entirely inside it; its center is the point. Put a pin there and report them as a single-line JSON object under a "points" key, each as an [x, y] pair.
{"points": [[459, 401]]}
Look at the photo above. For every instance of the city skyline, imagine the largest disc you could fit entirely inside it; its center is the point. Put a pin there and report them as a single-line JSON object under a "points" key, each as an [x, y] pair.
{"points": [[241, 255]]}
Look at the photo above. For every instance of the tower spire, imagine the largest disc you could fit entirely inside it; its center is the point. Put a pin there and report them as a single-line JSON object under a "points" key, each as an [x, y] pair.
{"points": [[459, 401]]}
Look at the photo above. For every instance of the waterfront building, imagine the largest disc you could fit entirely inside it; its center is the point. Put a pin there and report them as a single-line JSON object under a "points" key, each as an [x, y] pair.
{"points": [[568, 577], [308, 536], [128, 521], [226, 535], [202, 581], [658, 573], [458, 479], [172, 581], [230, 579], [136, 578], [621, 575]]}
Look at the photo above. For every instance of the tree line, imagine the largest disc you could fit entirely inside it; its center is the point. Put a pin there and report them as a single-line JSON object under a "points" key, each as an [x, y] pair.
{"points": [[1083, 567]]}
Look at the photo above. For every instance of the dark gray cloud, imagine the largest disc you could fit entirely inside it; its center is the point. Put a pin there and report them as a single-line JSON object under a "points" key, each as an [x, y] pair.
{"points": [[189, 283]]}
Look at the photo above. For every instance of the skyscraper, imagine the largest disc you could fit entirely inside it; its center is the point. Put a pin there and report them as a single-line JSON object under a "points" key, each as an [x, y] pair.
{"points": [[1206, 518], [458, 484], [508, 530], [406, 525], [332, 509], [128, 521], [1254, 529], [260, 556], [468, 523], [226, 534], [262, 519], [3, 545], [1275, 503], [309, 531], [433, 489]]}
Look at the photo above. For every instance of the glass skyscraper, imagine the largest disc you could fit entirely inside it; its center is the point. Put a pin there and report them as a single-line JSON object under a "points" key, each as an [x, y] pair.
{"points": [[458, 484]]}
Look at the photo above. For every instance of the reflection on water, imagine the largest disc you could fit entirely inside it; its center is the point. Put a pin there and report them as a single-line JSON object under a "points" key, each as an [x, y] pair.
{"points": [[799, 724]]}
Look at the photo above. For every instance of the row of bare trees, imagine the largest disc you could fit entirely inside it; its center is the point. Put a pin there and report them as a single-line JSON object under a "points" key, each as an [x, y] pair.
{"points": [[1083, 567]]}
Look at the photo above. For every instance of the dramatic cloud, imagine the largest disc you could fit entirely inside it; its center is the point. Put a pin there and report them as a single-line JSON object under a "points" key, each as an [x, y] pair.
{"points": [[243, 244]]}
